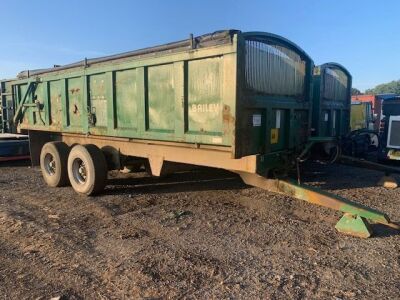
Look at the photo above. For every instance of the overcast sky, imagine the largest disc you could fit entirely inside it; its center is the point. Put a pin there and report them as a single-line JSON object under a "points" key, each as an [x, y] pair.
{"points": [[361, 35]]}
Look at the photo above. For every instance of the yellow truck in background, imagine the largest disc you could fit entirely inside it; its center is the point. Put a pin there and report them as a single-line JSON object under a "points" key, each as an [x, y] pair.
{"points": [[361, 116]]}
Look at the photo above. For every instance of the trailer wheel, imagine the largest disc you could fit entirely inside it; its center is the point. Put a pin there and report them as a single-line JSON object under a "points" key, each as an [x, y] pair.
{"points": [[87, 169], [53, 163]]}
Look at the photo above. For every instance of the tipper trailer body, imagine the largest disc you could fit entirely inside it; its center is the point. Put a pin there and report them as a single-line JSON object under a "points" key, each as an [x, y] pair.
{"points": [[234, 100], [245, 96]]}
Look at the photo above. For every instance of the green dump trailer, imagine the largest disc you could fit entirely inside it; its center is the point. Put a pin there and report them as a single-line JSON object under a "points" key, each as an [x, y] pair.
{"points": [[330, 110], [244, 96], [331, 117], [331, 101], [234, 100]]}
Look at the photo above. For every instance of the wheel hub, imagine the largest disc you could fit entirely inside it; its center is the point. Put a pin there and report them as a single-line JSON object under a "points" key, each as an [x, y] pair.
{"points": [[82, 170], [79, 171], [50, 164]]}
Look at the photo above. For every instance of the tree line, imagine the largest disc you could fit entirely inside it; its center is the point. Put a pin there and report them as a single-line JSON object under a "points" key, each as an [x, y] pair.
{"points": [[384, 88]]}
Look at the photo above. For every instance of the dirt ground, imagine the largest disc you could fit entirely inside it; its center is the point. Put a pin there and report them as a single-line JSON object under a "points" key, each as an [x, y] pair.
{"points": [[197, 235]]}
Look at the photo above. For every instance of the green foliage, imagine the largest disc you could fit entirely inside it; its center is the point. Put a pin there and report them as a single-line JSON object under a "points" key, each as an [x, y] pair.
{"points": [[355, 91], [391, 87]]}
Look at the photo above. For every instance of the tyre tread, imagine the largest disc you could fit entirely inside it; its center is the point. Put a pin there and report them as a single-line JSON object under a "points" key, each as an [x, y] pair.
{"points": [[61, 150]]}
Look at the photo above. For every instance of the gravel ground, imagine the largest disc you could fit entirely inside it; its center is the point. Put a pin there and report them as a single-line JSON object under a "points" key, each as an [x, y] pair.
{"points": [[198, 235]]}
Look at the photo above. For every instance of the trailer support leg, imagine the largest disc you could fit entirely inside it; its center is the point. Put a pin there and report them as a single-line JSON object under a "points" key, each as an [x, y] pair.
{"points": [[354, 222], [354, 225]]}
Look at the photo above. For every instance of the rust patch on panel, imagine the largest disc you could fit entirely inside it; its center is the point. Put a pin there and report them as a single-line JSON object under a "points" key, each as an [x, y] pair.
{"points": [[75, 110], [75, 90], [228, 118]]}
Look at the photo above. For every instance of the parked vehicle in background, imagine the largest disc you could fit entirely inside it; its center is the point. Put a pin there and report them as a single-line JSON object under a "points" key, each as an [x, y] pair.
{"points": [[362, 116], [363, 135], [331, 100], [7, 107], [376, 102], [339, 126], [390, 129], [331, 109], [12, 146], [368, 117]]}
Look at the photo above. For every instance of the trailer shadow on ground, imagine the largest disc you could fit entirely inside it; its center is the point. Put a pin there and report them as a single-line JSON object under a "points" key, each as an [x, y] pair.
{"points": [[315, 174], [383, 231], [325, 177], [15, 163], [202, 179], [207, 179], [339, 177], [196, 180]]}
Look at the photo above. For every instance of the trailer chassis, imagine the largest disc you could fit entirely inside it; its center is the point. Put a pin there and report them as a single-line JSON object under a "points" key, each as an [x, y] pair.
{"points": [[356, 218]]}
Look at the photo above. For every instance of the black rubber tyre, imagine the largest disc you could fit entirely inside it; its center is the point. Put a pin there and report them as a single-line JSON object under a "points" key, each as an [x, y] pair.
{"points": [[53, 162], [87, 169]]}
